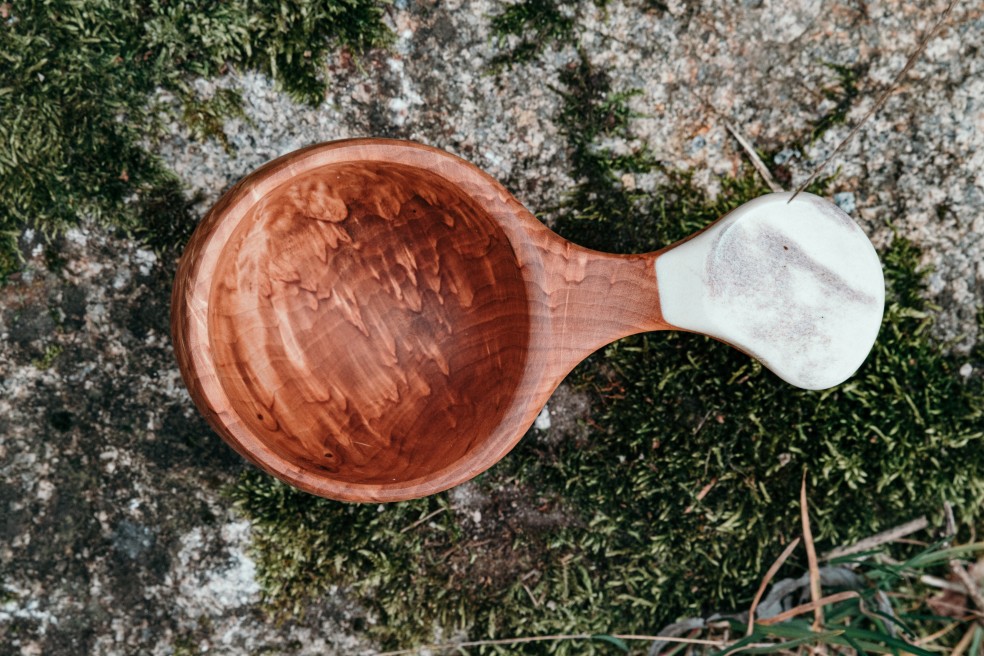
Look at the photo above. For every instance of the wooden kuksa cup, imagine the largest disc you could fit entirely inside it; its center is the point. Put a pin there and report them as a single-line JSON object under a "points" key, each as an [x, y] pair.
{"points": [[378, 320]]}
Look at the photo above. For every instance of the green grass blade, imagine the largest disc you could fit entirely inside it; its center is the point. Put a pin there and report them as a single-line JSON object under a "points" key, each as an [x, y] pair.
{"points": [[975, 645], [612, 640], [823, 637], [862, 634], [855, 645], [744, 642], [928, 559]]}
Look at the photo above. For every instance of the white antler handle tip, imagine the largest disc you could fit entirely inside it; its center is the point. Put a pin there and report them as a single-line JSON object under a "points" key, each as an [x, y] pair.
{"points": [[797, 285]]}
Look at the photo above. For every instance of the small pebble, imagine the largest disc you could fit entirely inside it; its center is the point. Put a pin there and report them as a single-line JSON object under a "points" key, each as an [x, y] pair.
{"points": [[785, 155], [845, 201]]}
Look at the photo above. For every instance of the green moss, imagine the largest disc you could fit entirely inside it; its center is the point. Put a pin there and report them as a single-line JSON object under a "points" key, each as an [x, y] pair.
{"points": [[687, 485], [206, 116], [77, 78], [534, 25], [843, 92], [526, 29], [51, 353], [10, 255]]}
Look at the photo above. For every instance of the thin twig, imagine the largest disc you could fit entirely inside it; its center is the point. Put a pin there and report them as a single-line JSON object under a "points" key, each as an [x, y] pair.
{"points": [[753, 156], [891, 535], [423, 519], [765, 583], [685, 641], [881, 99], [951, 522], [942, 584], [479, 643], [811, 556], [813, 605], [933, 637], [568, 636]]}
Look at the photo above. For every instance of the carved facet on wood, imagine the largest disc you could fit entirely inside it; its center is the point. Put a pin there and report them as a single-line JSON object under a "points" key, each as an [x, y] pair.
{"points": [[376, 320], [358, 314]]}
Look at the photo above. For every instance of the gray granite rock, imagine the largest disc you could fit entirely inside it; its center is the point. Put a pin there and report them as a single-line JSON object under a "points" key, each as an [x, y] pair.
{"points": [[116, 538], [915, 169]]}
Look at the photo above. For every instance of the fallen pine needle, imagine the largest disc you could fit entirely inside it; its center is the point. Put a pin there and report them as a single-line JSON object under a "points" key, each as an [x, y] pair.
{"points": [[811, 557], [899, 77], [570, 636], [765, 582], [933, 637], [700, 495], [757, 162], [423, 519], [891, 535]]}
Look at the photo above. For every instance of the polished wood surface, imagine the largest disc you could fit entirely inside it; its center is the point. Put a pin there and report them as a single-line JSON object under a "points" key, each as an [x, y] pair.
{"points": [[358, 314], [376, 320]]}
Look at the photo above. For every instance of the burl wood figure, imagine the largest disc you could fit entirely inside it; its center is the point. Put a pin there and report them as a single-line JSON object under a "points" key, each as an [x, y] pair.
{"points": [[378, 320]]}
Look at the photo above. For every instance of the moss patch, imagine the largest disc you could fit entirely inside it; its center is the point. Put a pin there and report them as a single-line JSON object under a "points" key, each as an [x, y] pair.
{"points": [[686, 484], [76, 82], [524, 30]]}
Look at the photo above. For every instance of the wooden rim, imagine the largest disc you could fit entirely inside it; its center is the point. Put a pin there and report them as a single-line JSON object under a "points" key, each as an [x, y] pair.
{"points": [[189, 311]]}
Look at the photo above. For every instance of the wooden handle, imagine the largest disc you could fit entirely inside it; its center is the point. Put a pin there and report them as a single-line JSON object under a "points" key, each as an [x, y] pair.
{"points": [[377, 320], [581, 300]]}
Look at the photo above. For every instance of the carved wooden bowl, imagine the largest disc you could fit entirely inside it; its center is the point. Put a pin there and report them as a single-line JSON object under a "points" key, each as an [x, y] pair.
{"points": [[377, 320]]}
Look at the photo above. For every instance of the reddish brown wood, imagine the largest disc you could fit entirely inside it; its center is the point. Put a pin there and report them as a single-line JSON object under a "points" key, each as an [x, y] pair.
{"points": [[376, 320]]}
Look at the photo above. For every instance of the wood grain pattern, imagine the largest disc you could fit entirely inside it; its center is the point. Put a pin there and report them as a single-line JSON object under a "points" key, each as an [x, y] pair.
{"points": [[376, 320]]}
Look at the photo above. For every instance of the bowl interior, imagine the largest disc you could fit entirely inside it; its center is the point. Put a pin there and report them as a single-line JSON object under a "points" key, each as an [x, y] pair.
{"points": [[369, 322]]}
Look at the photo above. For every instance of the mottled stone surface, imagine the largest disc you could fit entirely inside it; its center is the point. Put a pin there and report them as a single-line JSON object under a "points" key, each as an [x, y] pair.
{"points": [[116, 538], [915, 168]]}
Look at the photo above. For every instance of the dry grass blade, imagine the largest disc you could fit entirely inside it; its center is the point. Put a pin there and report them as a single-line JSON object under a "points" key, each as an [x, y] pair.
{"points": [[753, 156], [566, 636], [942, 584], [682, 641], [933, 637], [961, 646], [813, 605], [765, 582], [811, 556], [423, 519]]}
